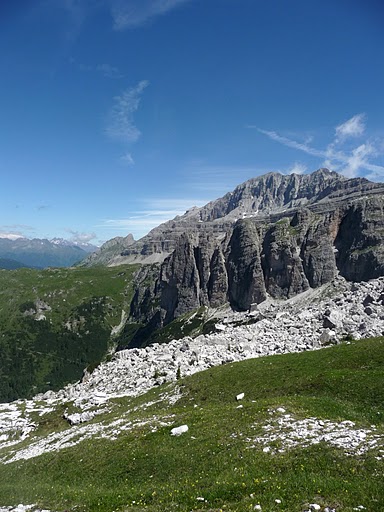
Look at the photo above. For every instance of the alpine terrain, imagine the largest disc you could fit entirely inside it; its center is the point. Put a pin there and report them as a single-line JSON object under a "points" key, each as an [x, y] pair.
{"points": [[233, 360]]}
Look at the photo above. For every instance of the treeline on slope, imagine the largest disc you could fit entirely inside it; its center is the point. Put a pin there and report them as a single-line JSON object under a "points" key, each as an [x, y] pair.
{"points": [[35, 356], [48, 341]]}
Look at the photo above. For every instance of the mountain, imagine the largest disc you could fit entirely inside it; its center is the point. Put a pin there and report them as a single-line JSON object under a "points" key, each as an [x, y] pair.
{"points": [[273, 236], [110, 250], [272, 194], [41, 253], [8, 264], [240, 410], [86, 246]]}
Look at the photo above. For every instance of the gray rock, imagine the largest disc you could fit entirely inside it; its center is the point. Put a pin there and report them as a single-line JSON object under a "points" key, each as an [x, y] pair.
{"points": [[275, 234], [177, 431]]}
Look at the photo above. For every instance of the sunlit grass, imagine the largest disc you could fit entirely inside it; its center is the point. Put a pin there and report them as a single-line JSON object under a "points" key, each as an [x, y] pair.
{"points": [[211, 467]]}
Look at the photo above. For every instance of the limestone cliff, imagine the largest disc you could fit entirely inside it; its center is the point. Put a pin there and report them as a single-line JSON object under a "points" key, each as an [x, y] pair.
{"points": [[318, 226]]}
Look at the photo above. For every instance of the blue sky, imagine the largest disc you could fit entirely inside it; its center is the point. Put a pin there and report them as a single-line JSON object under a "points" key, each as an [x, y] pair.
{"points": [[119, 114]]}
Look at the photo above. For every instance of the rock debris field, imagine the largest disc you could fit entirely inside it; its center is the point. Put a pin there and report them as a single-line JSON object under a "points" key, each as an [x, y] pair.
{"points": [[311, 320]]}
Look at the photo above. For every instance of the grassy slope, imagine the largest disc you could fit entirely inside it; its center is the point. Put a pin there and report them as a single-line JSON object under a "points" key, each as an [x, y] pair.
{"points": [[37, 355], [144, 470]]}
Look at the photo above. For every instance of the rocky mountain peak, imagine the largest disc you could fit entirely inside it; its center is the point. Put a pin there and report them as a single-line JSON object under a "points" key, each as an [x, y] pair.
{"points": [[273, 236], [272, 194]]}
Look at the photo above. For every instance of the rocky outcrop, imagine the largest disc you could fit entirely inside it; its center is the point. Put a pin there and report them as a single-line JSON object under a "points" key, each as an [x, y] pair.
{"points": [[110, 252], [259, 197], [275, 235], [279, 255], [294, 325], [359, 240], [246, 283]]}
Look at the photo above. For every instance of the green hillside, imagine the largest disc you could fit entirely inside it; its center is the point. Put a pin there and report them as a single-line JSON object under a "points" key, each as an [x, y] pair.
{"points": [[220, 464], [56, 322], [9, 264]]}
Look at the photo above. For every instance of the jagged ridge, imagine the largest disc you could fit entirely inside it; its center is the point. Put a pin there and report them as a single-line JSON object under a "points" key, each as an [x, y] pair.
{"points": [[272, 193]]}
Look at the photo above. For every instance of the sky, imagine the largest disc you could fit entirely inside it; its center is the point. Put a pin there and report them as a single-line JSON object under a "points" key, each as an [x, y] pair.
{"points": [[116, 115]]}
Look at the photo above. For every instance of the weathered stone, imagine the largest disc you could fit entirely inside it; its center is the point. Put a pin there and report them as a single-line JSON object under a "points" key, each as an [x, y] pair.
{"points": [[274, 234], [177, 431], [333, 319], [245, 275]]}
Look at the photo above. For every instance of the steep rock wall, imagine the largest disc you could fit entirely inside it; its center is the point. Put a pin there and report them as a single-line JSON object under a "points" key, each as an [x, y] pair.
{"points": [[280, 256]]}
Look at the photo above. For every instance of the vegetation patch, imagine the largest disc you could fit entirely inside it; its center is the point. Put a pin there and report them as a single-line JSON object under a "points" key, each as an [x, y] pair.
{"points": [[56, 322], [217, 465]]}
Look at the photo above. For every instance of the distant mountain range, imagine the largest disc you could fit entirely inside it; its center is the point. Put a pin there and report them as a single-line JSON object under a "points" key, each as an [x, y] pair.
{"points": [[41, 253]]}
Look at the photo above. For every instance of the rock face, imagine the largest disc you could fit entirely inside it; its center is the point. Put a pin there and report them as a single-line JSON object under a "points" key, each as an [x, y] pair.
{"points": [[246, 283], [112, 249], [278, 255], [257, 198], [359, 240], [275, 235]]}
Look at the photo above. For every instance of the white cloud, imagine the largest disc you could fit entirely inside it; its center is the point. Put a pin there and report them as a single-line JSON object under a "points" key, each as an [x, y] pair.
{"points": [[358, 160], [354, 127], [121, 124], [133, 13], [79, 237], [293, 144], [337, 156], [11, 236], [297, 168], [127, 159], [107, 70]]}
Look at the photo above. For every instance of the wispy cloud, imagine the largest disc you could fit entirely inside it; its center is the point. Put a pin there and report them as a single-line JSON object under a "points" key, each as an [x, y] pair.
{"points": [[125, 14], [121, 124], [105, 69], [338, 155], [297, 168], [10, 236], [22, 227], [127, 159], [109, 71], [216, 179], [354, 127], [15, 231], [134, 13], [301, 146], [76, 12]]}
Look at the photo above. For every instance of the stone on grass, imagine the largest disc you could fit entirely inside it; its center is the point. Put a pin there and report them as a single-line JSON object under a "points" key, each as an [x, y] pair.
{"points": [[240, 396], [177, 431]]}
